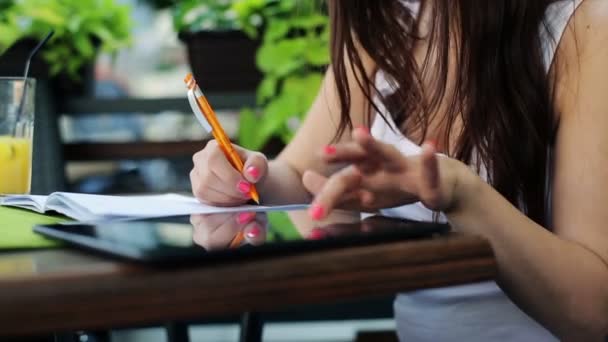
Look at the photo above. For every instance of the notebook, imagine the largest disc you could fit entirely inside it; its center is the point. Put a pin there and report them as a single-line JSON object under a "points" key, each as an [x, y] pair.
{"points": [[90, 208]]}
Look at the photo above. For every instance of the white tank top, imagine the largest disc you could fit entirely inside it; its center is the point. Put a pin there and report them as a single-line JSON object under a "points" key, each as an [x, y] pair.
{"points": [[474, 312]]}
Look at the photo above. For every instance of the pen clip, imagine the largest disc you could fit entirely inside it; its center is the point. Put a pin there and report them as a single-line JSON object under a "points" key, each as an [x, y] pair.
{"points": [[198, 113]]}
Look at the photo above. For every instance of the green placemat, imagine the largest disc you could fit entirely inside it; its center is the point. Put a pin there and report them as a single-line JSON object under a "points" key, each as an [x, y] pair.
{"points": [[16, 228]]}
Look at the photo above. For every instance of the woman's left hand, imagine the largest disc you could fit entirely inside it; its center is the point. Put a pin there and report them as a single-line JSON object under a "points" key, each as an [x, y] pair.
{"points": [[379, 176]]}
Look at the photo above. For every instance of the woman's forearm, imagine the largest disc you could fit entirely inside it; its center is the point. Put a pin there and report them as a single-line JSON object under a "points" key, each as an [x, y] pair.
{"points": [[558, 282], [282, 185]]}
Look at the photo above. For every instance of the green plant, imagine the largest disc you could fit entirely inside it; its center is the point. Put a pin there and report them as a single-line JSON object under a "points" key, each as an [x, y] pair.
{"points": [[204, 15], [82, 28], [292, 58]]}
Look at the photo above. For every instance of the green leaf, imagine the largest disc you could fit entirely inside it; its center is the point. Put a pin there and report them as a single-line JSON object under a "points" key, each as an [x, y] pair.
{"points": [[247, 136], [84, 46], [77, 23], [276, 30], [48, 16], [283, 57], [309, 21], [267, 89], [8, 36], [281, 223], [317, 53], [305, 88], [277, 112]]}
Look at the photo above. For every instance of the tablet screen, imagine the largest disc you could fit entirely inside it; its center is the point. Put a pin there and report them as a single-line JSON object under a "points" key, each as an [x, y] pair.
{"points": [[225, 236]]}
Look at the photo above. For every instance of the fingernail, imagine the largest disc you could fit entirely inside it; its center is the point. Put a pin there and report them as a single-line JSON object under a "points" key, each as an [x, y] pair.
{"points": [[316, 212], [317, 234], [329, 150], [243, 218], [253, 172], [244, 187], [253, 232]]}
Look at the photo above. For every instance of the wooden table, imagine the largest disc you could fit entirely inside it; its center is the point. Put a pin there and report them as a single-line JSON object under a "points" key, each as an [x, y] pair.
{"points": [[47, 291]]}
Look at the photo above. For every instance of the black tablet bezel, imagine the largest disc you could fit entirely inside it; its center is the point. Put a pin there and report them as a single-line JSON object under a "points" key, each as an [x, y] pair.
{"points": [[402, 230]]}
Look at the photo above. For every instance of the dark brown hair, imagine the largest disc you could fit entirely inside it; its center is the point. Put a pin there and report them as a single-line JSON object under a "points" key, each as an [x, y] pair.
{"points": [[503, 98]]}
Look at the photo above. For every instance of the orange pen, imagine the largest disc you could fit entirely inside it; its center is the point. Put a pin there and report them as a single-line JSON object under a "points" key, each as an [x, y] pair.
{"points": [[207, 118]]}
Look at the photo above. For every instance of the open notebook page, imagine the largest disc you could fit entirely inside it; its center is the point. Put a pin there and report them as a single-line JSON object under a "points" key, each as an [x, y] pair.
{"points": [[86, 207]]}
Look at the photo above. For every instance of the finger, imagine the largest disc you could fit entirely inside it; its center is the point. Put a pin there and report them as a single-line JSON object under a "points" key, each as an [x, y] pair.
{"points": [[196, 219], [214, 232], [367, 198], [233, 183], [352, 153], [213, 170], [244, 217], [255, 233], [317, 233], [210, 220], [344, 153], [204, 188], [388, 154], [430, 165], [429, 177], [341, 183], [313, 181], [256, 167], [357, 200], [204, 225]]}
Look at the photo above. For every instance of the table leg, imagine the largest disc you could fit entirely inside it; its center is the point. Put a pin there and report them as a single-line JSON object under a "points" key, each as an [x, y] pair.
{"points": [[252, 327], [177, 332]]}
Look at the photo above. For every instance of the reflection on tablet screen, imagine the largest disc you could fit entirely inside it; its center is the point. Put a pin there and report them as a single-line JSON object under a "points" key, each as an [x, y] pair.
{"points": [[201, 235]]}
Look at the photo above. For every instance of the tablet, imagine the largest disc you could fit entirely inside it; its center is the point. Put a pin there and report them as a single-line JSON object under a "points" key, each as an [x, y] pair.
{"points": [[228, 236]]}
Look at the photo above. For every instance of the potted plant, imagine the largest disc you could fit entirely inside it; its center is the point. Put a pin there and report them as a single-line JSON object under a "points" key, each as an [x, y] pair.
{"points": [[82, 29], [292, 57], [220, 54]]}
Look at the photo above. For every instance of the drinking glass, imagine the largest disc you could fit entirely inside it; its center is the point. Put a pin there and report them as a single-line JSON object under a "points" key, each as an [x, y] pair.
{"points": [[16, 134]]}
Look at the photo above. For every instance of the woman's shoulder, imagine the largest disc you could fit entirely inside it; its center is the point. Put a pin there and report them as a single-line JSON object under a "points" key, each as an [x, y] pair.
{"points": [[589, 25], [582, 57], [586, 32]]}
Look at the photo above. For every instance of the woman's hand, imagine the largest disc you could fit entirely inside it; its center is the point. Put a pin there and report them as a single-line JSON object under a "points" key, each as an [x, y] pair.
{"points": [[215, 181], [378, 176], [218, 231]]}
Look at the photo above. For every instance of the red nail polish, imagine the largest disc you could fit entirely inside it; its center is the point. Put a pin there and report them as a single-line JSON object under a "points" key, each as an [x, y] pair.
{"points": [[243, 187], [316, 212], [317, 234], [329, 150], [243, 218], [253, 172], [254, 232]]}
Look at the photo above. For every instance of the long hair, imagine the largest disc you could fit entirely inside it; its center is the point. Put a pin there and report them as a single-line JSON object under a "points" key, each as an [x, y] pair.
{"points": [[503, 98]]}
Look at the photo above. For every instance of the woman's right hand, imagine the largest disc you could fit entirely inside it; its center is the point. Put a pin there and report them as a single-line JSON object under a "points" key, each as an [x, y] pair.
{"points": [[218, 231], [215, 181]]}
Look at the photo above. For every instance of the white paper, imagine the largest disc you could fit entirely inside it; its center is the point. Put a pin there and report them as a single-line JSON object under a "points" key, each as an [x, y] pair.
{"points": [[86, 207]]}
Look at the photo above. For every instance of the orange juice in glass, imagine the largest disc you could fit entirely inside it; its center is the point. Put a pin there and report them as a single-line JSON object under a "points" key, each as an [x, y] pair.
{"points": [[16, 134]]}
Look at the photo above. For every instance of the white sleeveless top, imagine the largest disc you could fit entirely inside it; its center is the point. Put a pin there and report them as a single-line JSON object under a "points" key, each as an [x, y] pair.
{"points": [[475, 312]]}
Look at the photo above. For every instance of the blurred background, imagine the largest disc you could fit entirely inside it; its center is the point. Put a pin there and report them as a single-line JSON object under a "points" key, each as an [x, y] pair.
{"points": [[114, 91], [112, 114]]}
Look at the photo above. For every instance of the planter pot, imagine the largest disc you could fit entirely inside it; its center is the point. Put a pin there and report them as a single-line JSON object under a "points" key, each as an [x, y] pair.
{"points": [[222, 60], [12, 63]]}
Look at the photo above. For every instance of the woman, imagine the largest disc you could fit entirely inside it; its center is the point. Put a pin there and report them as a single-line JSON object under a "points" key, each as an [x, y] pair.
{"points": [[510, 97]]}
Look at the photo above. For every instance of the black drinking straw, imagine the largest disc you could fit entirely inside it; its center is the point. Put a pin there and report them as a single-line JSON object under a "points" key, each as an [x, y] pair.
{"points": [[33, 53]]}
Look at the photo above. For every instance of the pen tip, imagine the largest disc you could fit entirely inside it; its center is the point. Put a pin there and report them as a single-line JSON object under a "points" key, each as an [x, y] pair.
{"points": [[255, 197]]}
